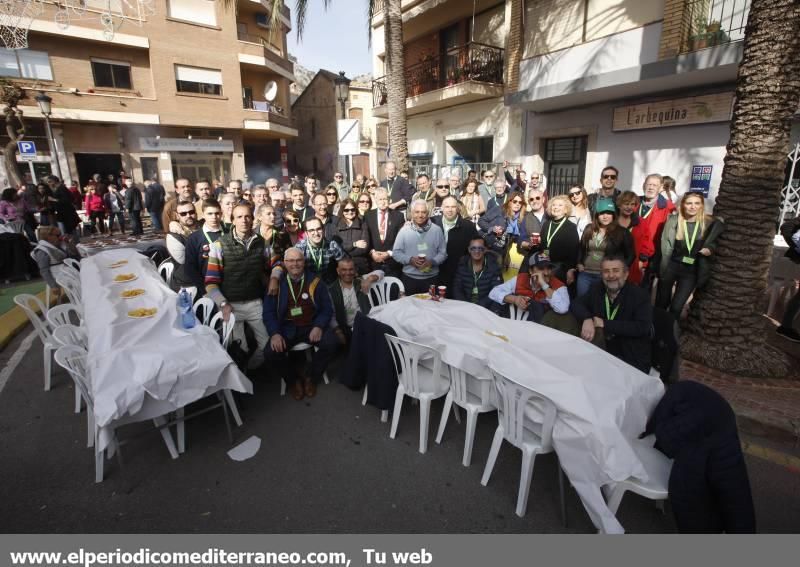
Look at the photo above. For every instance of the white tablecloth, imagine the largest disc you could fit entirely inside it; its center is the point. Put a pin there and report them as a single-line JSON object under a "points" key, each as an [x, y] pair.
{"points": [[603, 403], [143, 368], [92, 247]]}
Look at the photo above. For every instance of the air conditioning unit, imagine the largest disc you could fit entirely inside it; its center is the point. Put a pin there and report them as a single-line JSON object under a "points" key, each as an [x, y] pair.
{"points": [[262, 20]]}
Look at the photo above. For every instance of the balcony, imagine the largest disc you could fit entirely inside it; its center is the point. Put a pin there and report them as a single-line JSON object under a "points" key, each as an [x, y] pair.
{"points": [[464, 74], [712, 23], [264, 106]]}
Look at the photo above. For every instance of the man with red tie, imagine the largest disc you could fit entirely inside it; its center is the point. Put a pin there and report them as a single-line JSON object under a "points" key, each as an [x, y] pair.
{"points": [[383, 224]]}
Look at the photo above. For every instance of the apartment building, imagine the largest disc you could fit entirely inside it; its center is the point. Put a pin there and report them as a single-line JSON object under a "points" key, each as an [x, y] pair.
{"points": [[317, 112], [645, 85], [198, 89]]}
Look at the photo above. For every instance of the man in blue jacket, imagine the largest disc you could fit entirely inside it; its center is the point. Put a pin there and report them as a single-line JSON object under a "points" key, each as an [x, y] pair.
{"points": [[301, 312]]}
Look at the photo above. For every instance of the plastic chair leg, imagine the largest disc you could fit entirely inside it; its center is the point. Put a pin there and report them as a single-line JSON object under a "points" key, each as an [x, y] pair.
{"points": [[448, 403], [385, 416], [98, 465], [89, 427], [232, 405], [469, 440], [180, 429], [283, 387], [398, 406], [325, 378], [48, 366], [78, 400], [526, 474], [496, 442], [424, 419], [364, 398], [165, 434]]}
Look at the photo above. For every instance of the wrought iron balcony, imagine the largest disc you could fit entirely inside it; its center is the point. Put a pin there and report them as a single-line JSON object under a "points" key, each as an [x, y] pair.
{"points": [[713, 22], [471, 62], [263, 106]]}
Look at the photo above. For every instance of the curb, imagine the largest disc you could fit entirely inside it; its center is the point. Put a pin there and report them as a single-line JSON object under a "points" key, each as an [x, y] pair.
{"points": [[14, 321]]}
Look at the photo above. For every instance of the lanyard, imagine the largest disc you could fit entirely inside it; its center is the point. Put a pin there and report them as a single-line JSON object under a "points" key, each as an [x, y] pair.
{"points": [[291, 288], [610, 314], [504, 200], [210, 242], [552, 233], [476, 279], [317, 259], [690, 241], [647, 214]]}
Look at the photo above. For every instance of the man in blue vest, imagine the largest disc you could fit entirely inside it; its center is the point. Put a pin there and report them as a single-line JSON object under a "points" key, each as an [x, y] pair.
{"points": [[301, 312]]}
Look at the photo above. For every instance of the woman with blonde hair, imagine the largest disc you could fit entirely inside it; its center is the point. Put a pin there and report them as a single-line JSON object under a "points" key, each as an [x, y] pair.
{"points": [[560, 242], [581, 215], [688, 240]]}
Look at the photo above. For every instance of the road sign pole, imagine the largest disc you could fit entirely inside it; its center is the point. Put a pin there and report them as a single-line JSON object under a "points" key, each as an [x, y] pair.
{"points": [[53, 150]]}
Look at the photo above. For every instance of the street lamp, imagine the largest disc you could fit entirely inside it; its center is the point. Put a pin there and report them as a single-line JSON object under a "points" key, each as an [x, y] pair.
{"points": [[45, 106], [342, 85]]}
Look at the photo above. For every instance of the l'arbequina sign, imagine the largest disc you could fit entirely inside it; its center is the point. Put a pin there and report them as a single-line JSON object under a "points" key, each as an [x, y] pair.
{"points": [[675, 112]]}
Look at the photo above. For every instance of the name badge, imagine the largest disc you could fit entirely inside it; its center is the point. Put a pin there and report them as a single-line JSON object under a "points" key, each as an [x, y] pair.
{"points": [[474, 291], [421, 247], [688, 260], [296, 312]]}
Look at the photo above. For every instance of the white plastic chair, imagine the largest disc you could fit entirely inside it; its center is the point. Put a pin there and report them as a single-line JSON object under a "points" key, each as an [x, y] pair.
{"points": [[658, 468], [29, 304], [64, 314], [301, 347], [165, 270], [203, 310], [69, 334], [473, 403], [384, 413], [382, 290], [71, 287], [222, 328], [516, 424], [416, 381], [73, 263], [73, 359], [517, 314]]}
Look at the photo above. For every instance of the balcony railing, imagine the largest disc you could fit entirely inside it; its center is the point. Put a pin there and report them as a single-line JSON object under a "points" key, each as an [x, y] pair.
{"points": [[470, 62], [260, 40], [713, 22], [263, 106]]}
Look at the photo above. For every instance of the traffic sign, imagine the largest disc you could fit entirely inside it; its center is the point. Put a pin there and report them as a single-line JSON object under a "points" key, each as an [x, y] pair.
{"points": [[349, 135], [27, 150]]}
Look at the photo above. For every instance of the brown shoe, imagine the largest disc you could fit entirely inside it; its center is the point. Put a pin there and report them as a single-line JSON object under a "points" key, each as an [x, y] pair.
{"points": [[310, 388], [297, 391]]}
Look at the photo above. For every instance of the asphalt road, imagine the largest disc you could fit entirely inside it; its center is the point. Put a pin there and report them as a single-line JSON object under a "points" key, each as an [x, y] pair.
{"points": [[325, 466]]}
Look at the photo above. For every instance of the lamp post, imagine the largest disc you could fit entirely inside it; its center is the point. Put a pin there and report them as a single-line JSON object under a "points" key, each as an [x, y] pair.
{"points": [[342, 85], [45, 106]]}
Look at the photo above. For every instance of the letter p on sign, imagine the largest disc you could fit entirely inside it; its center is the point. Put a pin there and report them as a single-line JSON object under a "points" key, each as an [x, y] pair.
{"points": [[27, 150]]}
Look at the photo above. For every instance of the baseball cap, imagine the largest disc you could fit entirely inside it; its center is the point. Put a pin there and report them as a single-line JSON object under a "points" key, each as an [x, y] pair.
{"points": [[605, 206], [539, 260]]}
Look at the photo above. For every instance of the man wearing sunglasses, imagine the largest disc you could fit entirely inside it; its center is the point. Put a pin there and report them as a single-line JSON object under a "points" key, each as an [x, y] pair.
{"points": [[486, 188], [476, 275], [176, 243], [342, 187], [458, 232], [608, 187], [383, 225]]}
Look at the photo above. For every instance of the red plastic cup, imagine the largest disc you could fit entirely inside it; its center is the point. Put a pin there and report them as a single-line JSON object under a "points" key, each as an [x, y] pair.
{"points": [[536, 238], [442, 291]]}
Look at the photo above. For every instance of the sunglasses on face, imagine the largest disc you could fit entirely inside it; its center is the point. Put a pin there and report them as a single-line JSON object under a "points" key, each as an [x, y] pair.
{"points": [[349, 210], [331, 194], [363, 202], [443, 187], [371, 186], [575, 194], [516, 202], [612, 176], [292, 221], [184, 213], [477, 249], [535, 199]]}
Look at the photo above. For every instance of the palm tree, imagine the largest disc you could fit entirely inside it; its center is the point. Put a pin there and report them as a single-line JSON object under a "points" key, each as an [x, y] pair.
{"points": [[394, 66], [726, 328]]}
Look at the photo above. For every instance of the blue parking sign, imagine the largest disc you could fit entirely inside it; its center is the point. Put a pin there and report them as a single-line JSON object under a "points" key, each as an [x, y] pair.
{"points": [[27, 150]]}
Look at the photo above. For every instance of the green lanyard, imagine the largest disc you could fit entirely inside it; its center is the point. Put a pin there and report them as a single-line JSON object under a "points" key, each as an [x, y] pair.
{"points": [[610, 315], [504, 200], [210, 242], [317, 259], [291, 288], [552, 233], [476, 279], [598, 241], [690, 240], [647, 214]]}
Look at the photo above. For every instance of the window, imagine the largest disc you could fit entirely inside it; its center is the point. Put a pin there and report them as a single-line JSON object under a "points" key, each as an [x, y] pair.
{"points": [[565, 163], [25, 64], [198, 80], [197, 11], [111, 74]]}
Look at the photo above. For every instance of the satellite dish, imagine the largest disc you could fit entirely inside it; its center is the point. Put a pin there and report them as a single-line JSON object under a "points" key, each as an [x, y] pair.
{"points": [[271, 91]]}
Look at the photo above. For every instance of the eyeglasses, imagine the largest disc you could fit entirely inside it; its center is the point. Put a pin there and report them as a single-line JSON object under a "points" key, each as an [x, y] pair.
{"points": [[516, 202], [535, 199], [184, 213], [443, 187], [337, 176], [477, 249], [574, 193], [611, 176], [363, 202], [348, 210], [372, 186], [331, 194], [313, 230], [292, 221]]}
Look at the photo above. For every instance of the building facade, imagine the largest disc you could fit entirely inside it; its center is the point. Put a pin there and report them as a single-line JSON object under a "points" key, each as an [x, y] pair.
{"points": [[198, 89]]}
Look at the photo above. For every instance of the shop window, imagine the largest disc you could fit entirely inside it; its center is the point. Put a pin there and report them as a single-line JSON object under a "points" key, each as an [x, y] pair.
{"points": [[111, 74], [25, 64], [198, 80]]}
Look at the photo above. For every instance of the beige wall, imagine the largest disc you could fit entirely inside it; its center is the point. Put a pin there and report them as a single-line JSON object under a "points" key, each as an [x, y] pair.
{"points": [[317, 104], [491, 28]]}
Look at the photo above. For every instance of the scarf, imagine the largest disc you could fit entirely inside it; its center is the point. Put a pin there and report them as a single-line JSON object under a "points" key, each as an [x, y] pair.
{"points": [[421, 229]]}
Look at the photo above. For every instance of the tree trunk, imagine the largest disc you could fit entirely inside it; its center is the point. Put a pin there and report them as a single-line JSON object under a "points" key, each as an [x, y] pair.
{"points": [[10, 151], [726, 326], [396, 83]]}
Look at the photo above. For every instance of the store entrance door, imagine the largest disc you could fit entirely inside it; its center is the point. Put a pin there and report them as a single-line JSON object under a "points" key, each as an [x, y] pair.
{"points": [[201, 166], [104, 164]]}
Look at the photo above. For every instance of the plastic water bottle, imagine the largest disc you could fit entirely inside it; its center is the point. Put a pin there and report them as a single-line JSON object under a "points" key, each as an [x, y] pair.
{"points": [[185, 309]]}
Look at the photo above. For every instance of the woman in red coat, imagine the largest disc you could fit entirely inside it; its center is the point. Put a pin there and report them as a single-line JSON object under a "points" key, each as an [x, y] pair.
{"points": [[95, 208], [653, 211]]}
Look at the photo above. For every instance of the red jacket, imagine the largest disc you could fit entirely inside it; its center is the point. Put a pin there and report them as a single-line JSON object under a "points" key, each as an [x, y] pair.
{"points": [[647, 234], [94, 203]]}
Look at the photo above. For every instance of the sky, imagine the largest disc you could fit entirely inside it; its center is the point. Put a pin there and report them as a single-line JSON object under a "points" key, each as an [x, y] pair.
{"points": [[334, 39]]}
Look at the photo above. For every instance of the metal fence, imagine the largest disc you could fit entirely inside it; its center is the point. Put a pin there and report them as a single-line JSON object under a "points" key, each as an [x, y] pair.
{"points": [[790, 194], [713, 22], [441, 170]]}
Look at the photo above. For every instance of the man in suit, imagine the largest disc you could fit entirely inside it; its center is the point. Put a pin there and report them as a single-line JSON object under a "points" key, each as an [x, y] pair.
{"points": [[383, 224], [349, 295], [458, 233], [400, 190]]}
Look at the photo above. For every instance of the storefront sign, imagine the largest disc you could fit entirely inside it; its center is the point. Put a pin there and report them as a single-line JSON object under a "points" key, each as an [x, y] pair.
{"points": [[701, 179], [677, 112], [184, 145]]}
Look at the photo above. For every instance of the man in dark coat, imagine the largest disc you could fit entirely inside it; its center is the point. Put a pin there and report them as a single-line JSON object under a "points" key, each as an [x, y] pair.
{"points": [[66, 215], [383, 224], [349, 297], [134, 203], [400, 190], [476, 275], [457, 234], [154, 199], [709, 489]]}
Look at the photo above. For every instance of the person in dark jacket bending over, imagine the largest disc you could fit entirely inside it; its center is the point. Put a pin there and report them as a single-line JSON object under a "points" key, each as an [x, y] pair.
{"points": [[301, 312], [476, 275], [617, 316]]}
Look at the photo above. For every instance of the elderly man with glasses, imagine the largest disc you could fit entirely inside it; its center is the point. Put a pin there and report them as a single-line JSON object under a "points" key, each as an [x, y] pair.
{"points": [[608, 187], [400, 190], [486, 188], [476, 275]]}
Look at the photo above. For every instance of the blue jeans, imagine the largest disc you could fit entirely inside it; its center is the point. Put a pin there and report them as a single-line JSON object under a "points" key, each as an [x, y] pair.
{"points": [[155, 218], [120, 216], [585, 281]]}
